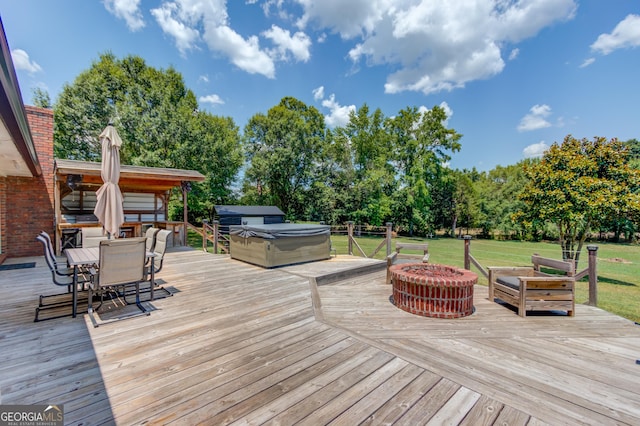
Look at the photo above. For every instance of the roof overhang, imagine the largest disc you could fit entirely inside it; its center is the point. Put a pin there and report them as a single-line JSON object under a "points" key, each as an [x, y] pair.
{"points": [[17, 151], [132, 178]]}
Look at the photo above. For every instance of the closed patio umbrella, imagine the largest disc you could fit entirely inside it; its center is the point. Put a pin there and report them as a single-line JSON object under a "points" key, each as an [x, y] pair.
{"points": [[109, 210]]}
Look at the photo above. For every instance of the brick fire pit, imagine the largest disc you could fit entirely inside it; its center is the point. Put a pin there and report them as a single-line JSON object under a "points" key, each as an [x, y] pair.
{"points": [[432, 290]]}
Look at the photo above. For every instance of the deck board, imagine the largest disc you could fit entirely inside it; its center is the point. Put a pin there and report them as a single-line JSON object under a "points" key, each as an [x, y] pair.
{"points": [[239, 344]]}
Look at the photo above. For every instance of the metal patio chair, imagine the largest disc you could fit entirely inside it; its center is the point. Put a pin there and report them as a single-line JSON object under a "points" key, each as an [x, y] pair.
{"points": [[58, 279], [60, 267], [159, 250], [151, 238], [122, 265]]}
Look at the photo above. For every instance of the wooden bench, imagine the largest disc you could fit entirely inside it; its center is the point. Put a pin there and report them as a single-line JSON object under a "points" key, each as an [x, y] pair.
{"points": [[398, 257], [530, 288]]}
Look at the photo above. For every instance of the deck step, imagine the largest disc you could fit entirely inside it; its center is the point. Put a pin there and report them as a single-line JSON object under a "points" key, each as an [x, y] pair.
{"points": [[351, 272]]}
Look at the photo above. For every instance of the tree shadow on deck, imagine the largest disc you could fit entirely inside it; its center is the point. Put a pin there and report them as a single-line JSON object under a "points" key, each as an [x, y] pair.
{"points": [[50, 362]]}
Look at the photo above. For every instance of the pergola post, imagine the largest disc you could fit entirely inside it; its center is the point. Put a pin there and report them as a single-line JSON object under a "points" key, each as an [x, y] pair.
{"points": [[186, 187]]}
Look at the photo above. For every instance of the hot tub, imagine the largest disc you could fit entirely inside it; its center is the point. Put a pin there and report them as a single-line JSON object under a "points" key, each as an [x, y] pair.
{"points": [[279, 244]]}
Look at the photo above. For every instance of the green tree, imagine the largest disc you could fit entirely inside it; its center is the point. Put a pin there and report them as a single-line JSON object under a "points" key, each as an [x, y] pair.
{"points": [[158, 120], [421, 143], [498, 192], [283, 148], [577, 186], [370, 180], [41, 98]]}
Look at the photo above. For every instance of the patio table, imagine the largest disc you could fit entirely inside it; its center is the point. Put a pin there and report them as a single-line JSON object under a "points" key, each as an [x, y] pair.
{"points": [[88, 256]]}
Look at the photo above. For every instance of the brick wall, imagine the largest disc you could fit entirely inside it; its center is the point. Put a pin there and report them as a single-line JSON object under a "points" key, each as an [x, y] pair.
{"points": [[3, 217], [30, 201]]}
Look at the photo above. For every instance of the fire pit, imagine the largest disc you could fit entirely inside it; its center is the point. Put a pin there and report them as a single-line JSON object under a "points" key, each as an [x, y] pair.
{"points": [[432, 290]]}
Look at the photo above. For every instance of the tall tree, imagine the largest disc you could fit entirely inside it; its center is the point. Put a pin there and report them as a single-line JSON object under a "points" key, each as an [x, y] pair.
{"points": [[578, 185], [421, 143], [498, 192], [158, 120], [283, 148], [41, 98], [371, 180]]}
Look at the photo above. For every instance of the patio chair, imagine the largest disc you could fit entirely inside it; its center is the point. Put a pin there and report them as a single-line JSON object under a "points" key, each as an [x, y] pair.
{"points": [[397, 257], [58, 279], [122, 265], [529, 288], [159, 250], [151, 237], [92, 236], [61, 268]]}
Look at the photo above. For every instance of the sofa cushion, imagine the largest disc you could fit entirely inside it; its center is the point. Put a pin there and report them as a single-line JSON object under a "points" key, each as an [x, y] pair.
{"points": [[509, 281]]}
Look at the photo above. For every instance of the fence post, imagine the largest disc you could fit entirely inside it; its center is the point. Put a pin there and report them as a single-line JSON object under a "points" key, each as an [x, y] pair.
{"points": [[216, 229], [593, 275], [389, 231], [467, 248], [350, 237], [204, 234]]}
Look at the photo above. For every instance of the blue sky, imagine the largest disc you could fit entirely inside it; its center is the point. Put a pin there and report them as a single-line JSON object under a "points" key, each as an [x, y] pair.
{"points": [[514, 76]]}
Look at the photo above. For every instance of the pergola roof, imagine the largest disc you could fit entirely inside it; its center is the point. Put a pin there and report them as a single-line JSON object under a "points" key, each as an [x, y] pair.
{"points": [[132, 178]]}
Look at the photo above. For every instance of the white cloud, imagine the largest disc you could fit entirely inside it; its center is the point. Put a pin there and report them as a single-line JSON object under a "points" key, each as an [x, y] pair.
{"points": [[243, 53], [434, 46], [298, 44], [535, 150], [190, 21], [348, 18], [185, 37], [338, 114], [318, 93], [129, 10], [587, 62], [211, 99], [625, 35], [535, 119], [22, 62], [514, 54], [204, 78]]}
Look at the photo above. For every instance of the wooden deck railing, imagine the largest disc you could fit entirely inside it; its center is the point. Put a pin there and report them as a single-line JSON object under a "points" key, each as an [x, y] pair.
{"points": [[351, 239], [209, 233]]}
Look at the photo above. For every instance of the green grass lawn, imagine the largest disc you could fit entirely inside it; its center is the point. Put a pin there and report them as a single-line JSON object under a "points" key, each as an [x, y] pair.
{"points": [[618, 264]]}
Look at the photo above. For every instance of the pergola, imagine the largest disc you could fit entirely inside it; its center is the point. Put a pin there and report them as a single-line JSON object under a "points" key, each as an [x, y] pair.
{"points": [[84, 176]]}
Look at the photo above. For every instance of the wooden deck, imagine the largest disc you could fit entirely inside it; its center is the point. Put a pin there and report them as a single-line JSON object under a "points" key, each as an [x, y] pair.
{"points": [[244, 345]]}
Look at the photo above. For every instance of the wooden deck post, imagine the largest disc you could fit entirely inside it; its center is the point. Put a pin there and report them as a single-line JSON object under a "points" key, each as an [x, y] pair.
{"points": [[205, 222], [593, 275], [186, 187], [350, 237], [216, 228], [467, 248], [389, 231]]}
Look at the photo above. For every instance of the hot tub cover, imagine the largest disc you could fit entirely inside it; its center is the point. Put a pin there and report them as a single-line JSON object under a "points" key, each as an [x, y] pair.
{"points": [[279, 230]]}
